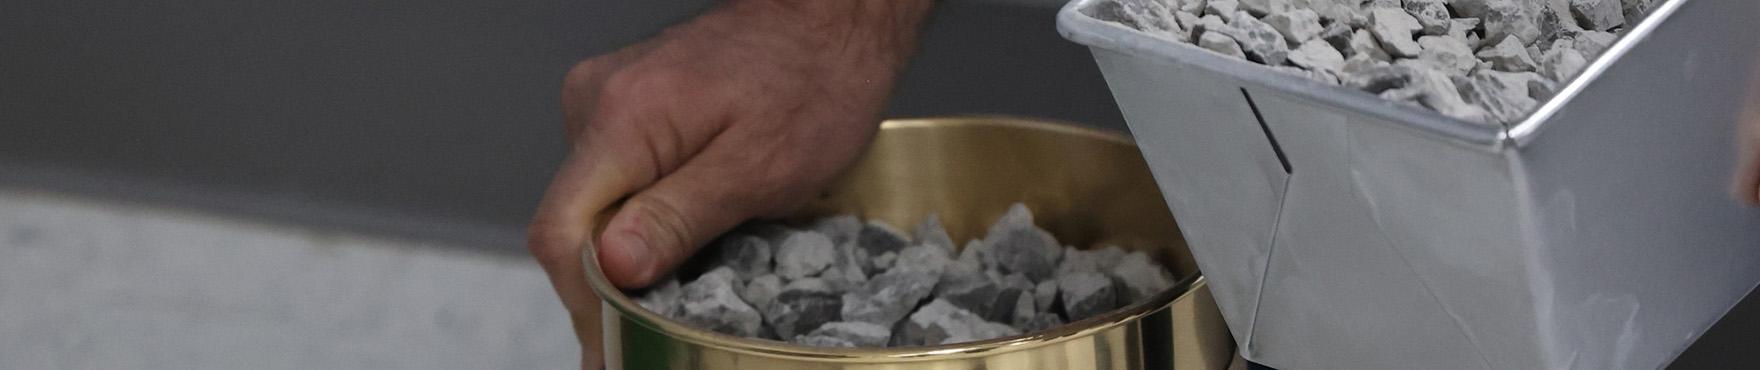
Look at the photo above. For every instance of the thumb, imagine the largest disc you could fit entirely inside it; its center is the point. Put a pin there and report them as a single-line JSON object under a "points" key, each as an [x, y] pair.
{"points": [[664, 224]]}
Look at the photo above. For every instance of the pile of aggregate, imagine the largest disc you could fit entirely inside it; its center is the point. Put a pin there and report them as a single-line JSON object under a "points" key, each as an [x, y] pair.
{"points": [[1489, 61], [842, 282]]}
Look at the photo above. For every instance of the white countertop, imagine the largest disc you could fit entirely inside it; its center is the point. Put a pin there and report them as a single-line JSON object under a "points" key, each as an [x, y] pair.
{"points": [[88, 284]]}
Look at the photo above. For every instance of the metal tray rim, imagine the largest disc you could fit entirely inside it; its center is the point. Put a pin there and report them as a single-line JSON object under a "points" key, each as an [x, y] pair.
{"points": [[1528, 129]]}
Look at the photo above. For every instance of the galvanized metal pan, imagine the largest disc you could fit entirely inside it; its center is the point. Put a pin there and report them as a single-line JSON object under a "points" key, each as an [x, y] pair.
{"points": [[1342, 231]]}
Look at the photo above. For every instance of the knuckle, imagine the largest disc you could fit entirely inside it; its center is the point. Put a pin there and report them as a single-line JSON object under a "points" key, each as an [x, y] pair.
{"points": [[549, 242], [583, 72], [581, 93], [627, 85], [639, 83], [622, 92]]}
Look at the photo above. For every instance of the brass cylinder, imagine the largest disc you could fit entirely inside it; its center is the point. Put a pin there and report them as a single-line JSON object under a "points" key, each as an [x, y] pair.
{"points": [[1087, 187]]}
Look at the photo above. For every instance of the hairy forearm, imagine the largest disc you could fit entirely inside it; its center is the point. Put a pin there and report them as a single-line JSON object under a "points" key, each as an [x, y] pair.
{"points": [[885, 29]]}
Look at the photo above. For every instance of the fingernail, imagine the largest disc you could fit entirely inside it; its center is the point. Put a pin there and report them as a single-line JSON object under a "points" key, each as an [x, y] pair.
{"points": [[636, 255]]}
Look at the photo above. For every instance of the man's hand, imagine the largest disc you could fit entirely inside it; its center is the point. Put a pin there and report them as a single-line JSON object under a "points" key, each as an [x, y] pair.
{"points": [[1747, 186], [746, 111]]}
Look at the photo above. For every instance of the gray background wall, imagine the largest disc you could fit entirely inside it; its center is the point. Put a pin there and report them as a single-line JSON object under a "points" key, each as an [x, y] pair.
{"points": [[433, 119], [429, 119]]}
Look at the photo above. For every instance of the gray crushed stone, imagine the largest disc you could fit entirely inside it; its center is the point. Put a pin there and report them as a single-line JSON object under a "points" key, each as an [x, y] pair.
{"points": [[845, 282], [1459, 51]]}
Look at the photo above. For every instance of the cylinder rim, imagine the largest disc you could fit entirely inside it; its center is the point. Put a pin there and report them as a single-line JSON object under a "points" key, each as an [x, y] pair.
{"points": [[624, 306]]}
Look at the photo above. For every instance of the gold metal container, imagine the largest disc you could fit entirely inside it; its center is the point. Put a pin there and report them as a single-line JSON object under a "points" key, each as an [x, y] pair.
{"points": [[1087, 187]]}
